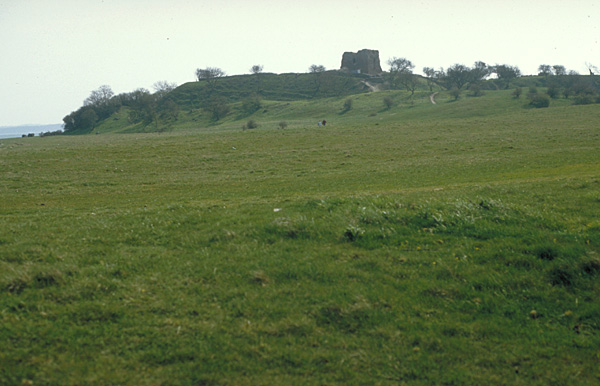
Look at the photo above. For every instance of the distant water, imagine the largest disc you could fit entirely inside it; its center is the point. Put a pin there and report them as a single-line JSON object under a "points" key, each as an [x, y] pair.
{"points": [[18, 131]]}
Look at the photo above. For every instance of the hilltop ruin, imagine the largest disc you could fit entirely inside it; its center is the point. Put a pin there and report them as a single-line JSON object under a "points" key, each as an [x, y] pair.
{"points": [[362, 62]]}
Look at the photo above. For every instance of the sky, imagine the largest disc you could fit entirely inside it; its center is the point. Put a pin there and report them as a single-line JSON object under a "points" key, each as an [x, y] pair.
{"points": [[53, 53]]}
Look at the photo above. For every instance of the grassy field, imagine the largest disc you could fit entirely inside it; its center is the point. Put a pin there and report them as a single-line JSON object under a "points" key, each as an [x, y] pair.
{"points": [[451, 244]]}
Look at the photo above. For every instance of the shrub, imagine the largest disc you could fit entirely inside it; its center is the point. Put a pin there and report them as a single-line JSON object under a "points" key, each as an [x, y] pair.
{"points": [[218, 107], [348, 104], [553, 92], [584, 99], [251, 124], [540, 101], [251, 104], [476, 90], [455, 92], [517, 93], [388, 102]]}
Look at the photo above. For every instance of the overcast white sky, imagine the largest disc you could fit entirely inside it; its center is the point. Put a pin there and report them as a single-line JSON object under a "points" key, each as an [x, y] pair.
{"points": [[53, 53]]}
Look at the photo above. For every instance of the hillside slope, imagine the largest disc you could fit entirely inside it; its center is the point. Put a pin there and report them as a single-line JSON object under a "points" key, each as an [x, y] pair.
{"points": [[307, 98]]}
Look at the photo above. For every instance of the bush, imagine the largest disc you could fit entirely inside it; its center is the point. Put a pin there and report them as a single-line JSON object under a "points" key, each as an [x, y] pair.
{"points": [[251, 124], [517, 93], [348, 104], [584, 99], [476, 90], [218, 107], [540, 100], [553, 92], [532, 92], [455, 92], [251, 104], [388, 102]]}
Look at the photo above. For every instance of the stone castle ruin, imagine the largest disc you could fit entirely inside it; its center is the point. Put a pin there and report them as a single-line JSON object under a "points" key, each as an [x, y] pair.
{"points": [[362, 62]]}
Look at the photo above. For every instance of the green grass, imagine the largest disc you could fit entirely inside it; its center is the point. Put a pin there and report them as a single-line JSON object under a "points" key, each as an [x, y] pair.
{"points": [[447, 244]]}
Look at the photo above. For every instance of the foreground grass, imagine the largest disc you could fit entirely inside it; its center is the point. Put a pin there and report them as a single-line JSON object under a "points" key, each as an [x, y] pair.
{"points": [[452, 250]]}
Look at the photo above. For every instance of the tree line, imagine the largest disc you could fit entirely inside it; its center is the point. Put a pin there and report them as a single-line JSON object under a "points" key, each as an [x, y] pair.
{"points": [[143, 105], [559, 81]]}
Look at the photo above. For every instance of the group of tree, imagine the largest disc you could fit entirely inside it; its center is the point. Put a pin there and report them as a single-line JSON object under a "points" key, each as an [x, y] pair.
{"points": [[144, 106], [455, 78], [460, 76], [570, 84]]}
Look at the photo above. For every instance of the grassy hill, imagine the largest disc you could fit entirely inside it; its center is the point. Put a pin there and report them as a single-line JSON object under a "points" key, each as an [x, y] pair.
{"points": [[291, 98], [454, 243]]}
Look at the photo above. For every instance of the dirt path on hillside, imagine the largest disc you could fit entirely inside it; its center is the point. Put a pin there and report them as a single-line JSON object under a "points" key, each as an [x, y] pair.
{"points": [[372, 88], [432, 98]]}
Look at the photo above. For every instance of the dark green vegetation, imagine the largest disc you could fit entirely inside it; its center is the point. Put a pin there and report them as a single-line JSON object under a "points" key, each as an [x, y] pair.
{"points": [[454, 243]]}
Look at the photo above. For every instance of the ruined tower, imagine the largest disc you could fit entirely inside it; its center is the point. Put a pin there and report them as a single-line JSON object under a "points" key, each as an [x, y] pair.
{"points": [[362, 62]]}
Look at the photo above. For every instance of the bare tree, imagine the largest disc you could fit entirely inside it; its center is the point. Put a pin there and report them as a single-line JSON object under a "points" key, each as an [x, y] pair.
{"points": [[210, 75], [401, 74], [592, 69], [163, 87], [99, 97], [317, 70]]}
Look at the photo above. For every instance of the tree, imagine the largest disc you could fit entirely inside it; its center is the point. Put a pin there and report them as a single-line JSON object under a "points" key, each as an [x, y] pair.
{"points": [[401, 73], [103, 103], [545, 70], [163, 87], [210, 75], [559, 70], [429, 73], [458, 75], [88, 119], [218, 107], [256, 70], [169, 110], [317, 70], [143, 107], [455, 92], [99, 97], [479, 72], [506, 73]]}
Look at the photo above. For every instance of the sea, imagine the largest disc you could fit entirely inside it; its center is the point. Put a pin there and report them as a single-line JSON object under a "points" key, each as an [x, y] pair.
{"points": [[19, 131]]}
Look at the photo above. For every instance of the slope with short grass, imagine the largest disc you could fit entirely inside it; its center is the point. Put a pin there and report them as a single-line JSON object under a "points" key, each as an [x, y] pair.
{"points": [[454, 243]]}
